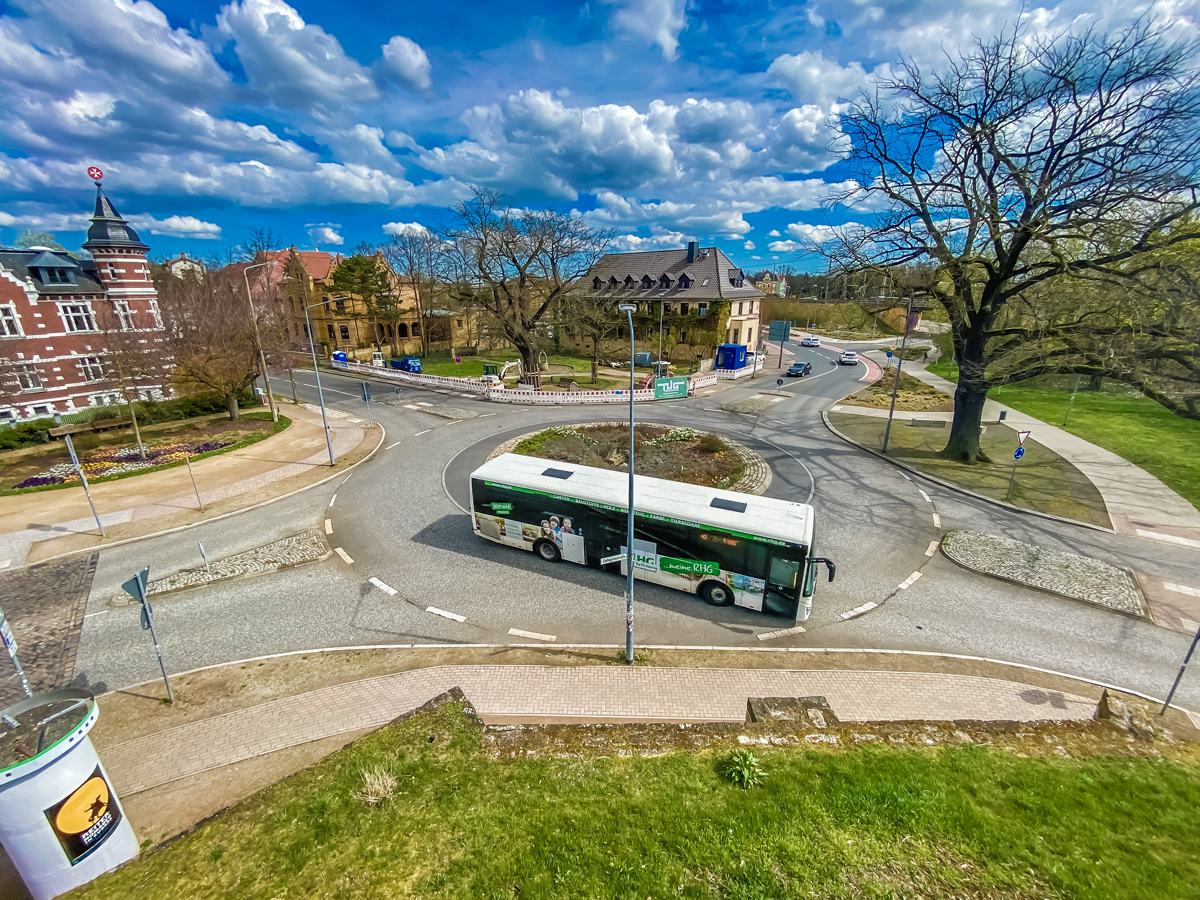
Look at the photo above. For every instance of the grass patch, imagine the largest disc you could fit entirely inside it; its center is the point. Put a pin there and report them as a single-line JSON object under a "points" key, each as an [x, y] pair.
{"points": [[864, 823], [1045, 481], [472, 366], [679, 454], [913, 395], [20, 468], [1115, 418]]}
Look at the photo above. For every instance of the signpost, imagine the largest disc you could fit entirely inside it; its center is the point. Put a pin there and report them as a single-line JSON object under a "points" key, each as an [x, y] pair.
{"points": [[780, 330], [671, 388], [82, 478], [204, 557], [136, 588], [11, 645], [366, 395], [1017, 454]]}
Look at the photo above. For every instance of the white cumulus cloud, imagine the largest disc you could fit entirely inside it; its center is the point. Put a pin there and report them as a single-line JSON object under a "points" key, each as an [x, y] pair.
{"points": [[324, 234], [657, 21], [405, 63], [177, 226], [406, 229]]}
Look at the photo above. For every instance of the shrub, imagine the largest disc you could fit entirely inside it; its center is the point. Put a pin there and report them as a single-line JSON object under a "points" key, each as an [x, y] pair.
{"points": [[710, 443], [378, 784], [742, 768]]}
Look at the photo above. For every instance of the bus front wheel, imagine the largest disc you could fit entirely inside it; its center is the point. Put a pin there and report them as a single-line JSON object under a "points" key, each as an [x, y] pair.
{"points": [[716, 593], [547, 551]]}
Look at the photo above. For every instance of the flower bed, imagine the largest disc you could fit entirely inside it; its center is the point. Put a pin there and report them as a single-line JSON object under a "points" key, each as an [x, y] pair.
{"points": [[120, 461]]}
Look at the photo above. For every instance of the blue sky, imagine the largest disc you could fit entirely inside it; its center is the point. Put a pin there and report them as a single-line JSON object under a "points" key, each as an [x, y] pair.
{"points": [[331, 123]]}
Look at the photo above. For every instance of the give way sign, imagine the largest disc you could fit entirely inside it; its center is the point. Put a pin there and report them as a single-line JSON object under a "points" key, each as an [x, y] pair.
{"points": [[1021, 435]]}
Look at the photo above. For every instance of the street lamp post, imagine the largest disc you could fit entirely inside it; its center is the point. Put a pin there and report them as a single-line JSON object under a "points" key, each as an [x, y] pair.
{"points": [[262, 358], [628, 309], [312, 345], [887, 433]]}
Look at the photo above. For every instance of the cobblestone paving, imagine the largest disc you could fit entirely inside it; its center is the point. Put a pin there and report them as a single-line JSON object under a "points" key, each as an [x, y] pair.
{"points": [[760, 402], [757, 477], [1078, 577], [505, 694], [44, 607], [308, 546], [450, 412]]}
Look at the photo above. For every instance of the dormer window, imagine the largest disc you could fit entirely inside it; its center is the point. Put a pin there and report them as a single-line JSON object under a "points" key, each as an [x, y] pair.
{"points": [[57, 276], [647, 282], [629, 282], [612, 282], [684, 282], [665, 283], [737, 278], [596, 283]]}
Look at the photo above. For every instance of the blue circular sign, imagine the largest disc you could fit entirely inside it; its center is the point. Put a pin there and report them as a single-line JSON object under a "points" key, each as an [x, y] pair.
{"points": [[1018, 453], [889, 353]]}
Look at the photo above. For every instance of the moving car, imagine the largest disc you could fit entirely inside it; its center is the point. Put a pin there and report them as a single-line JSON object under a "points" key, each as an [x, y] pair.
{"points": [[811, 341], [798, 369], [849, 358], [406, 364]]}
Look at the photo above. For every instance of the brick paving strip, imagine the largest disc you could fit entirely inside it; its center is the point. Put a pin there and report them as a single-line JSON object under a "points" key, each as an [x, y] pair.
{"points": [[510, 694], [308, 546], [1077, 577]]}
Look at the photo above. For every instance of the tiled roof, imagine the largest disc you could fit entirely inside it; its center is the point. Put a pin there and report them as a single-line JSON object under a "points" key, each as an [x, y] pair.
{"points": [[108, 230], [709, 275], [317, 263], [18, 262]]}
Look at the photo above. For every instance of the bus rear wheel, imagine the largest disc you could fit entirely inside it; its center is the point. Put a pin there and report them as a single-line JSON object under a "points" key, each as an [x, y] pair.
{"points": [[547, 551], [716, 594]]}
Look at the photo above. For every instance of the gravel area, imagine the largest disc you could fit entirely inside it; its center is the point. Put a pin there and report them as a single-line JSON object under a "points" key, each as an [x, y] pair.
{"points": [[1077, 577], [308, 546]]}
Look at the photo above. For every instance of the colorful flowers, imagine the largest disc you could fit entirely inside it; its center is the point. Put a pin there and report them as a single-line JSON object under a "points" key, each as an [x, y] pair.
{"points": [[119, 461]]}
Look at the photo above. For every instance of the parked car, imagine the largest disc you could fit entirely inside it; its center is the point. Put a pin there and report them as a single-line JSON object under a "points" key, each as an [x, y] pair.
{"points": [[811, 341], [849, 358], [798, 369]]}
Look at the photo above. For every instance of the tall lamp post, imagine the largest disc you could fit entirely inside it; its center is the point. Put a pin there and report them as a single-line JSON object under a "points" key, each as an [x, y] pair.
{"points": [[629, 309], [262, 358], [312, 345], [887, 432]]}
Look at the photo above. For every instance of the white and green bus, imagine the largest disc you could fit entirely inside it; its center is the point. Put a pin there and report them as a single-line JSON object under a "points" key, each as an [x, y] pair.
{"points": [[729, 548]]}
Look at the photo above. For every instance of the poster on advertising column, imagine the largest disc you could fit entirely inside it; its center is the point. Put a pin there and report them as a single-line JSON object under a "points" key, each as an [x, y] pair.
{"points": [[83, 820]]}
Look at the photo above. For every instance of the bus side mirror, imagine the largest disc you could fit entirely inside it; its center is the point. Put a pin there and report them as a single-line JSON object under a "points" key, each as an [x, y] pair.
{"points": [[830, 566]]}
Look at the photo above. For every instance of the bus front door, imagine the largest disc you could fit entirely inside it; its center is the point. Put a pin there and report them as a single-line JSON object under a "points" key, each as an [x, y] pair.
{"points": [[783, 580]]}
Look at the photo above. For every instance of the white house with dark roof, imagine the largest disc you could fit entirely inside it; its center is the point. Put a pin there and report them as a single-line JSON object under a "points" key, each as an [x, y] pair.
{"points": [[689, 281]]}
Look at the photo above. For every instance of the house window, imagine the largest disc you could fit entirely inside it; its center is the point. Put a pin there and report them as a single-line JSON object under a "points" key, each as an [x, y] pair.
{"points": [[154, 311], [345, 330], [28, 378], [612, 282], [684, 282], [91, 368], [458, 322], [647, 282], [124, 314], [416, 329], [8, 322], [664, 283], [402, 330], [683, 308], [735, 335], [340, 304], [750, 336], [596, 283], [739, 312], [629, 282], [42, 410], [331, 335], [78, 317], [702, 308], [58, 276]]}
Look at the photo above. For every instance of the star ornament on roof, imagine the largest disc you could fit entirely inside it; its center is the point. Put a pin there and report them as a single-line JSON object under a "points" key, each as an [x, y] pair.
{"points": [[95, 173]]}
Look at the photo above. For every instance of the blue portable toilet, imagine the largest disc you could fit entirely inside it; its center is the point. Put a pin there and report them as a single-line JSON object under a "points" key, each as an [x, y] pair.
{"points": [[731, 356], [339, 356]]}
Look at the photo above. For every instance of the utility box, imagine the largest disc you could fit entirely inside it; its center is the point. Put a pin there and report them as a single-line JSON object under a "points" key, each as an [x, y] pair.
{"points": [[731, 356], [60, 821]]}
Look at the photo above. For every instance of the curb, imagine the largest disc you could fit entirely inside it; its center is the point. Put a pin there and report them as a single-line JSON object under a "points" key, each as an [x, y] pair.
{"points": [[962, 490], [236, 512], [926, 653]]}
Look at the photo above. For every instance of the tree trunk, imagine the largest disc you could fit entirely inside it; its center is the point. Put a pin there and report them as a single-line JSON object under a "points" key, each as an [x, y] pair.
{"points": [[137, 433], [231, 401], [595, 370], [292, 379], [1095, 383], [963, 445]]}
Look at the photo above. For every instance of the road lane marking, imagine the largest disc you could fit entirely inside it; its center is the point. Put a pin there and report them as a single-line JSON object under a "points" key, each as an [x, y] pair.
{"points": [[906, 478], [329, 390], [445, 615], [909, 581], [1189, 624], [937, 521], [933, 545], [412, 406], [390, 446], [426, 431], [331, 500], [1169, 538], [343, 554], [89, 615], [390, 591], [1182, 589], [859, 610], [532, 634], [356, 421], [771, 635], [454, 422], [485, 415], [423, 403], [328, 527], [925, 495], [5, 563]]}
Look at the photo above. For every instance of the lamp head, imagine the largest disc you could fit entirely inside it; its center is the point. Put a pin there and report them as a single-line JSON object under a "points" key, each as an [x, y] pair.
{"points": [[627, 308]]}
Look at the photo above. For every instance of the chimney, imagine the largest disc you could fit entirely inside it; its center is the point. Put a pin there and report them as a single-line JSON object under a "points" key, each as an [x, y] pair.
{"points": [[692, 245]]}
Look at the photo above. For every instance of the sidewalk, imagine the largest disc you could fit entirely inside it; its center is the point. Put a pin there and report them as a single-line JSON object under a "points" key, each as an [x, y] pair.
{"points": [[567, 694], [1138, 503], [43, 524]]}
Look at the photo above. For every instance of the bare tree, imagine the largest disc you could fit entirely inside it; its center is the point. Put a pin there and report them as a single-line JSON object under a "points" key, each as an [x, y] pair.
{"points": [[129, 362], [259, 240], [519, 263], [596, 318], [1024, 160], [421, 259]]}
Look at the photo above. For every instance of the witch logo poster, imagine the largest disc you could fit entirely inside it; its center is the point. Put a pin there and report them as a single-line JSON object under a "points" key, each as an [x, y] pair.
{"points": [[86, 818]]}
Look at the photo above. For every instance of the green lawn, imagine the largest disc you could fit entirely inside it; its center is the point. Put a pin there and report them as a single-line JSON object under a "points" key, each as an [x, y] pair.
{"points": [[869, 822], [1132, 426]]}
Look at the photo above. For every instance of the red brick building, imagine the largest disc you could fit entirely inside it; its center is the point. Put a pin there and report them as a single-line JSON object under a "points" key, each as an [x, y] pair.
{"points": [[55, 310]]}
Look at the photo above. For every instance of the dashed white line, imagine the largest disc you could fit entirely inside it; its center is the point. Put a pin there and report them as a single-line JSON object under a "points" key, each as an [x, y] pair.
{"points": [[390, 446], [343, 554], [390, 591], [1181, 589], [426, 431], [412, 406], [356, 421], [859, 610], [423, 403], [906, 478], [925, 495], [334, 498], [933, 545], [532, 634], [937, 521], [909, 581], [89, 615], [328, 527], [771, 635], [454, 422], [1169, 538], [445, 615], [485, 415]]}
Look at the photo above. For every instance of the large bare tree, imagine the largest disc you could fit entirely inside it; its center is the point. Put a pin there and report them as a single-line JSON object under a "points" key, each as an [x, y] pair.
{"points": [[1024, 159], [516, 264], [422, 259]]}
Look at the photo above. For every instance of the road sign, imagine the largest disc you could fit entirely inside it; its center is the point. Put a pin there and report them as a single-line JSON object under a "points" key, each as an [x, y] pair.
{"points": [[889, 354], [779, 381], [1021, 435], [780, 330], [616, 557], [670, 388], [366, 391], [94, 173], [1018, 453], [136, 586]]}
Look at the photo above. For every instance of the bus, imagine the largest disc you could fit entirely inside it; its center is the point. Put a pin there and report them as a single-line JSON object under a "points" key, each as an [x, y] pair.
{"points": [[730, 549]]}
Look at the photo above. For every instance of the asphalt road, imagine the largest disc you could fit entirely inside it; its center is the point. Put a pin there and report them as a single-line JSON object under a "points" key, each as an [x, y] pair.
{"points": [[399, 518]]}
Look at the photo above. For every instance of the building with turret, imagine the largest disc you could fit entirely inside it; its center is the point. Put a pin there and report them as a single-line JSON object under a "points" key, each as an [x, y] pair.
{"points": [[66, 320]]}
